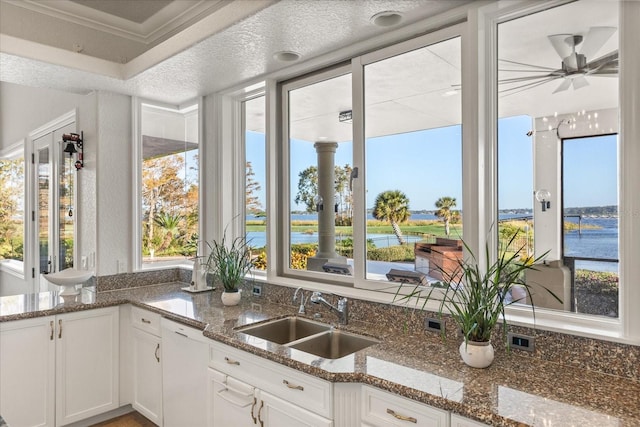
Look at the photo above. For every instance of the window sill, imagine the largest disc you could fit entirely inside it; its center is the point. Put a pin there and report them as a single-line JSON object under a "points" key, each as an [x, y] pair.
{"points": [[13, 267]]}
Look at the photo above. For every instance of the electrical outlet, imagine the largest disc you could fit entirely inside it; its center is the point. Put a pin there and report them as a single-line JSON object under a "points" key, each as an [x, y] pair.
{"points": [[257, 290], [256, 307], [434, 325], [521, 342]]}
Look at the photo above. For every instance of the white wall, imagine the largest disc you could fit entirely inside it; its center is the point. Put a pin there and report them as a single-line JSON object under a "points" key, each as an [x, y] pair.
{"points": [[114, 184]]}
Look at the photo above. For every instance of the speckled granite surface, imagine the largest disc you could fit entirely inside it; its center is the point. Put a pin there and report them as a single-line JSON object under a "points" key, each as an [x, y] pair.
{"points": [[516, 390]]}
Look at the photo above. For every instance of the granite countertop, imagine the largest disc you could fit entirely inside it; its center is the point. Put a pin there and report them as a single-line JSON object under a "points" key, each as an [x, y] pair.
{"points": [[513, 391]]}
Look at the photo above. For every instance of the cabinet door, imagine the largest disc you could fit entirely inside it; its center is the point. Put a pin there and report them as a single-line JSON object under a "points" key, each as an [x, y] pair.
{"points": [[185, 353], [87, 350], [27, 372], [275, 412], [147, 376], [231, 402]]}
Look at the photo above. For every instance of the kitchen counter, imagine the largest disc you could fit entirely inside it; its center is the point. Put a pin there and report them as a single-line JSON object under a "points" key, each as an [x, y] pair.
{"points": [[514, 391]]}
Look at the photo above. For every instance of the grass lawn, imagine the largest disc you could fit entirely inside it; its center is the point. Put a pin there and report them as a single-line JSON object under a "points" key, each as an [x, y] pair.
{"points": [[434, 227]]}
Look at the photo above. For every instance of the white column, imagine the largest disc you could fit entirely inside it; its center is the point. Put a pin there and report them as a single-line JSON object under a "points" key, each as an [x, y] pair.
{"points": [[326, 188]]}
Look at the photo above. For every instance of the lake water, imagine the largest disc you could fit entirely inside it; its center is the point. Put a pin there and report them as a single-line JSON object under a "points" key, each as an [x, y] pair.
{"points": [[601, 242]]}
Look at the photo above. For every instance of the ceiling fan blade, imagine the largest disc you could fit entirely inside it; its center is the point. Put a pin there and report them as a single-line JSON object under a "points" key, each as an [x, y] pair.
{"points": [[606, 62], [541, 68], [563, 44], [595, 39], [566, 84], [579, 82], [526, 86], [525, 78]]}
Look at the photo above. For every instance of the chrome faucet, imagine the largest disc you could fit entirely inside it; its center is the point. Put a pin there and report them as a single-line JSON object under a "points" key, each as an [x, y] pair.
{"points": [[342, 309], [303, 301]]}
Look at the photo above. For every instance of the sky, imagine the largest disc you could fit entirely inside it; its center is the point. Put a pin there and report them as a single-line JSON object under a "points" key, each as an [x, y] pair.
{"points": [[427, 165]]}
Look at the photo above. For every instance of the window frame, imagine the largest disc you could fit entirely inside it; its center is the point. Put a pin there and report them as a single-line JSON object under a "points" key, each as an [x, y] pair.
{"points": [[137, 210], [479, 117], [13, 152], [626, 328]]}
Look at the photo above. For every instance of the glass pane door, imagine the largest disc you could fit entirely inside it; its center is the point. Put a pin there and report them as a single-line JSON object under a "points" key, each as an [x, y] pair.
{"points": [[43, 169]]}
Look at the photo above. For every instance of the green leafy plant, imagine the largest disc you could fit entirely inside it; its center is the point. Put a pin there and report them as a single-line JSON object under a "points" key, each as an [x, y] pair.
{"points": [[230, 261], [475, 296]]}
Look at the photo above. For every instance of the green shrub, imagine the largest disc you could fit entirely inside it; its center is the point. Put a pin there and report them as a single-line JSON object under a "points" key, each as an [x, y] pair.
{"points": [[392, 253]]}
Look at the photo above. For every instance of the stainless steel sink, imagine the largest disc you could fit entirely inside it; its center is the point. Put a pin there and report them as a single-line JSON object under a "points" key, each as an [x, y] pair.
{"points": [[334, 344], [283, 331]]}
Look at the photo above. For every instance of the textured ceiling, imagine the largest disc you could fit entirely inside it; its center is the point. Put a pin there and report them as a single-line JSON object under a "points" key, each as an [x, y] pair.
{"points": [[242, 51]]}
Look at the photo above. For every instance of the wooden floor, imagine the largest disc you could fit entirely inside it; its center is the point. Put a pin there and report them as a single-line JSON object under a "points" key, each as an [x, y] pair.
{"points": [[132, 419]]}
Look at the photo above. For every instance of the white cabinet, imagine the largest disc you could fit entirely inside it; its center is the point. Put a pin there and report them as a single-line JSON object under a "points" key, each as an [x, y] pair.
{"points": [[460, 421], [147, 372], [275, 412], [87, 351], [231, 402], [282, 397], [184, 375], [27, 372], [382, 409], [59, 369]]}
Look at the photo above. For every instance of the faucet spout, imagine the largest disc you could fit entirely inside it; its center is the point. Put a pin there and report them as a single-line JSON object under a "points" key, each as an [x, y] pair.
{"points": [[341, 310], [303, 301]]}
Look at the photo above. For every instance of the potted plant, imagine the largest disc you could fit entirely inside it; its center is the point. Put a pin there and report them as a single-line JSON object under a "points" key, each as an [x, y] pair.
{"points": [[230, 262], [476, 298]]}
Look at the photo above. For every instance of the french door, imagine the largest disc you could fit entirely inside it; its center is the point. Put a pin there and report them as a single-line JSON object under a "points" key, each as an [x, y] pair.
{"points": [[53, 216]]}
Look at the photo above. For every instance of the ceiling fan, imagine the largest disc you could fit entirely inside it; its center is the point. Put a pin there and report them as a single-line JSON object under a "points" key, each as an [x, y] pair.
{"points": [[575, 67]]}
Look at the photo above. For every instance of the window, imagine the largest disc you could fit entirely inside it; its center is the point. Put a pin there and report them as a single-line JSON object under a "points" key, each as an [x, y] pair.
{"points": [[169, 184], [255, 179], [413, 163], [360, 210], [557, 158], [12, 198]]}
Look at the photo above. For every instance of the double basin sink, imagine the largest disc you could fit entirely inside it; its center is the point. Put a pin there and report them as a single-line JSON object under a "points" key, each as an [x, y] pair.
{"points": [[317, 338]]}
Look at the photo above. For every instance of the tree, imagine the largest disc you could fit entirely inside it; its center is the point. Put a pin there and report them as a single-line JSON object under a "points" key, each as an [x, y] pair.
{"points": [[170, 223], [308, 189], [253, 205], [392, 206], [445, 205], [163, 190]]}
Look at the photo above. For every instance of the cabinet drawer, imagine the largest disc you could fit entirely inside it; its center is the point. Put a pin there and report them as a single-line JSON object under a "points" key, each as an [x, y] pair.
{"points": [[380, 408], [145, 320], [293, 386]]}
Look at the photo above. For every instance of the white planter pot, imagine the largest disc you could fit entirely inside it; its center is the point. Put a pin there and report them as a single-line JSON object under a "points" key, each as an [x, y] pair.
{"points": [[230, 298], [477, 354]]}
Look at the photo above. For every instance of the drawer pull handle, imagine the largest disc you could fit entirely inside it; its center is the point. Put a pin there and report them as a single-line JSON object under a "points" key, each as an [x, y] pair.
{"points": [[401, 417], [156, 353], [260, 412], [59, 328], [148, 322], [253, 407], [231, 362], [51, 326], [295, 387]]}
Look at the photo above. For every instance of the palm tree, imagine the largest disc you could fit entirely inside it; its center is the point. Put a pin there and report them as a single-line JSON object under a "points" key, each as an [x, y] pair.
{"points": [[392, 206], [171, 225], [444, 205]]}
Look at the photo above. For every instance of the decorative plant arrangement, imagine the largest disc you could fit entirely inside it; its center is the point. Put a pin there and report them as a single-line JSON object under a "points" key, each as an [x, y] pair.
{"points": [[476, 297], [230, 262]]}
